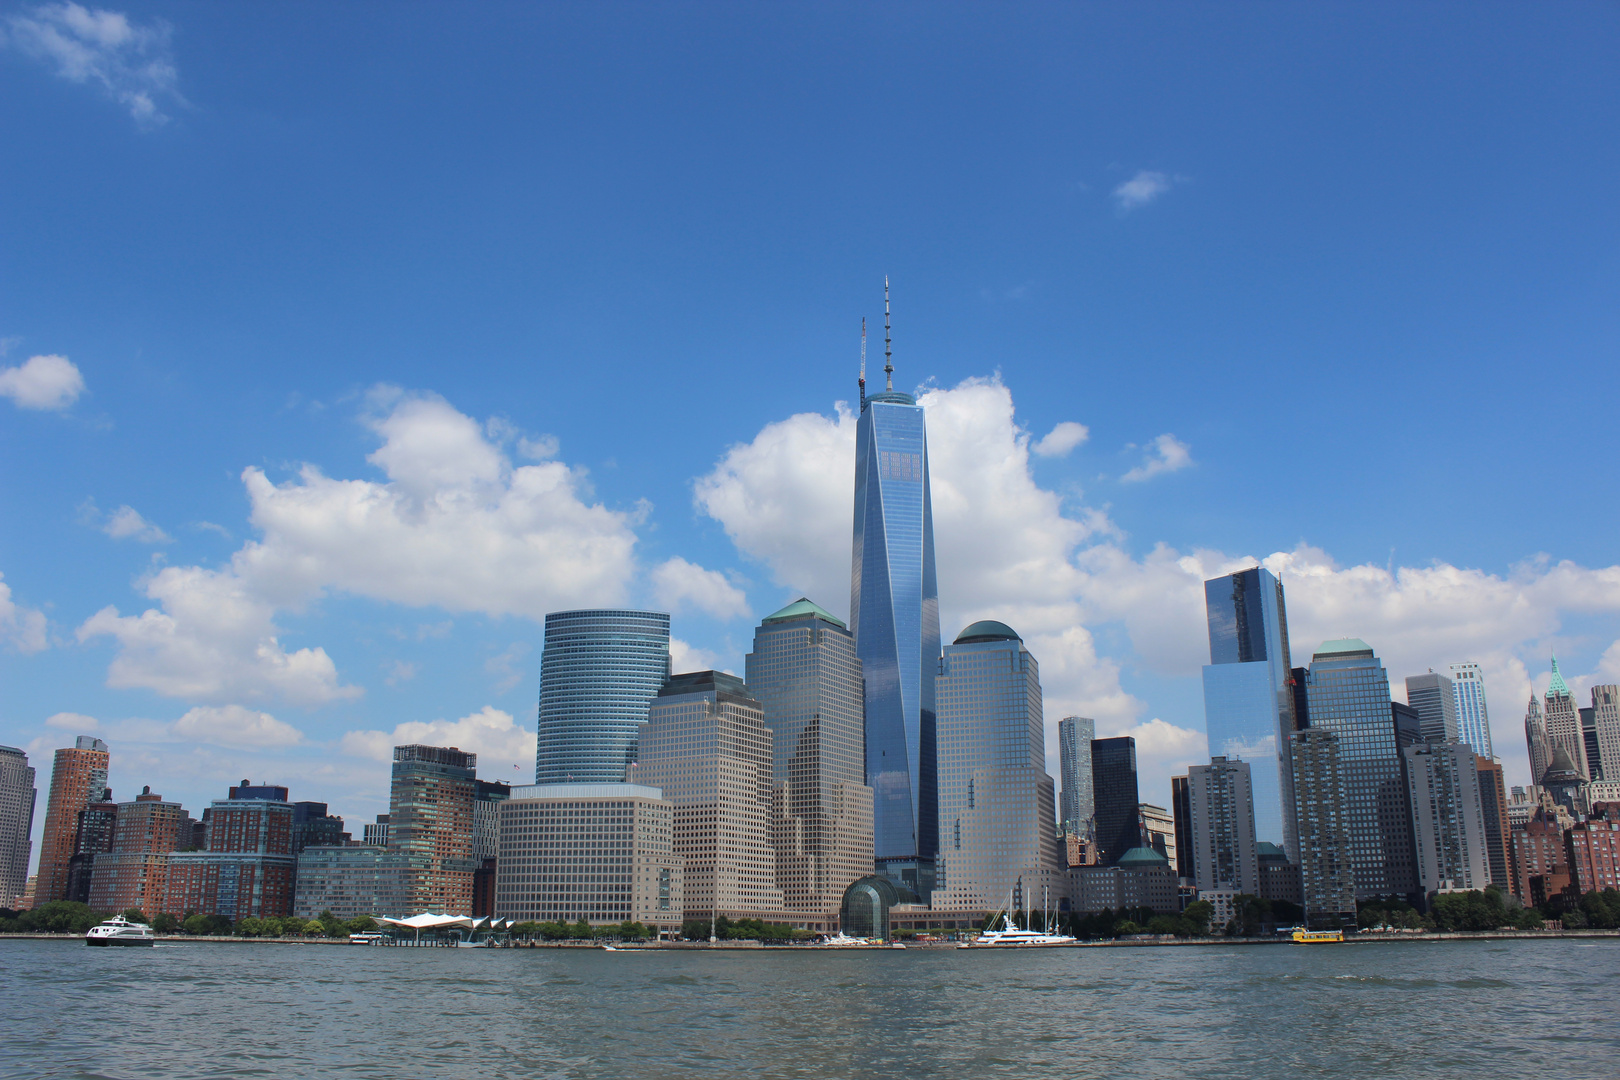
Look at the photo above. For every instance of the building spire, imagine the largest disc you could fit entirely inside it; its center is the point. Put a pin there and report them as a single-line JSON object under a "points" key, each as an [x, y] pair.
{"points": [[863, 363], [888, 349]]}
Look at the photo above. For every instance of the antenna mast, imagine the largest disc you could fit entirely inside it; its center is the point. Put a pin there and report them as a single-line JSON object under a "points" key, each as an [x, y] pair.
{"points": [[863, 363], [888, 350]]}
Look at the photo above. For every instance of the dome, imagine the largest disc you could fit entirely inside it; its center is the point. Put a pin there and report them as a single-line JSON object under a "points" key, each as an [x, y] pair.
{"points": [[1142, 856], [987, 630], [804, 606]]}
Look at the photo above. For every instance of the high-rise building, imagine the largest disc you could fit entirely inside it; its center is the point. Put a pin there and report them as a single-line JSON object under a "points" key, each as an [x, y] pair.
{"points": [[135, 873], [706, 747], [487, 798], [1248, 692], [1181, 810], [599, 671], [1158, 830], [996, 802], [314, 827], [1222, 799], [1327, 879], [1349, 696], [804, 673], [1535, 739], [1074, 767], [430, 822], [1563, 782], [375, 833], [1562, 718], [78, 778], [251, 862], [1448, 819], [1493, 805], [602, 853], [894, 614], [1594, 752], [17, 797], [1594, 852], [1606, 726], [97, 825], [1473, 718], [1434, 698], [1408, 725], [1114, 792]]}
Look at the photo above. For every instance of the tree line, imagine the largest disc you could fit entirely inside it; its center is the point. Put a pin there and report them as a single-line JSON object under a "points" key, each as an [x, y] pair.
{"points": [[71, 917]]}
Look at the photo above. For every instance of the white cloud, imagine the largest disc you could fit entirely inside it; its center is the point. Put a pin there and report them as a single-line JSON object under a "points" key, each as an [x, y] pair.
{"points": [[490, 733], [399, 671], [233, 725], [684, 657], [20, 627], [1061, 439], [72, 721], [678, 584], [43, 382], [127, 524], [1164, 454], [1141, 189], [132, 64], [504, 666]]}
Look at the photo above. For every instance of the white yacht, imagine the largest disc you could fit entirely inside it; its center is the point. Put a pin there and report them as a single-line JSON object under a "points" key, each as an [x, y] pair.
{"points": [[1011, 936], [120, 931], [842, 938]]}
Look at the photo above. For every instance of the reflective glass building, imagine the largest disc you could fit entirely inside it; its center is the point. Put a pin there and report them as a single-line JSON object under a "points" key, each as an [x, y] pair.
{"points": [[996, 802], [894, 613], [1248, 697], [1114, 793], [1349, 696], [1434, 698], [1074, 767], [599, 672]]}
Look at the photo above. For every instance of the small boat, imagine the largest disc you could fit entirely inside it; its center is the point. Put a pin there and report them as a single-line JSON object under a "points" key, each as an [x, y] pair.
{"points": [[120, 931], [1317, 937], [610, 948], [1011, 935], [365, 937], [843, 939]]}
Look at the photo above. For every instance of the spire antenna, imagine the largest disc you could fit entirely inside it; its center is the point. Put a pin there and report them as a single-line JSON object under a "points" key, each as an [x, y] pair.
{"points": [[888, 349], [863, 363]]}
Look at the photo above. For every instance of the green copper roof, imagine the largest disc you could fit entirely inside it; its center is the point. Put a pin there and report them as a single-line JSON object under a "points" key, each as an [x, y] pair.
{"points": [[987, 630], [802, 607], [1142, 856], [1343, 645], [1559, 687]]}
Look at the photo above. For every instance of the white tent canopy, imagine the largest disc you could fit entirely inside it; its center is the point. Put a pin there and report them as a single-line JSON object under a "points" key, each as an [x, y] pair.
{"points": [[429, 921]]}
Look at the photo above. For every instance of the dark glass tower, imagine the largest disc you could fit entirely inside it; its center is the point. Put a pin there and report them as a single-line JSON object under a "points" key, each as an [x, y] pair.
{"points": [[894, 613], [1113, 785], [599, 672]]}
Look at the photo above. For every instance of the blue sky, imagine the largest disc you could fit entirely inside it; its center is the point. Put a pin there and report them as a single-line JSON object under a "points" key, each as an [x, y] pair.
{"points": [[556, 305]]}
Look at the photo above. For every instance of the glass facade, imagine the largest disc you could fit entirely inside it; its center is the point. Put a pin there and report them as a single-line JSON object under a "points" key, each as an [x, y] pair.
{"points": [[894, 613], [1328, 891], [1349, 696], [17, 797], [1433, 697], [1074, 767], [599, 671], [1113, 780], [1248, 692], [995, 797], [1473, 718], [430, 822]]}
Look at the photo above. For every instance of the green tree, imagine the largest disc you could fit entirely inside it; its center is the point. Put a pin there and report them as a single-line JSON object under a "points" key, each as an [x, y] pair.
{"points": [[526, 930], [313, 928], [1197, 916], [581, 931], [365, 924], [1528, 919], [59, 917], [1602, 909], [198, 924], [251, 927], [165, 924], [134, 914], [331, 925]]}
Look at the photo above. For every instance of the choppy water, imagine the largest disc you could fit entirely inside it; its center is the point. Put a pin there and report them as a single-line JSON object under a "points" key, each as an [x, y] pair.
{"points": [[264, 1010]]}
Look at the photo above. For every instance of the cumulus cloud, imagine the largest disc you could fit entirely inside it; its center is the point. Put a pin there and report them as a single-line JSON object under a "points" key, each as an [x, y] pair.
{"points": [[132, 64], [678, 584], [125, 523], [43, 382], [684, 657], [1164, 454], [21, 627], [1061, 439], [72, 721], [1141, 189], [503, 747], [234, 725]]}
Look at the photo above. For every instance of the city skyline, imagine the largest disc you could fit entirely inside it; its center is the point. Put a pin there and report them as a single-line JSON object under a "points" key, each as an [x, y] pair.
{"points": [[188, 573]]}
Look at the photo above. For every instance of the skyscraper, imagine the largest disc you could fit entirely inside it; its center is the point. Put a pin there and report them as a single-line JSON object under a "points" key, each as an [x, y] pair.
{"points": [[1606, 722], [1113, 779], [251, 860], [1349, 696], [1434, 698], [1535, 739], [135, 873], [804, 673], [1248, 695], [1320, 797], [1493, 805], [996, 801], [1473, 718], [78, 778], [706, 747], [17, 797], [1448, 821], [430, 823], [1074, 766], [894, 614], [598, 672], [1181, 809], [1562, 718], [1222, 801]]}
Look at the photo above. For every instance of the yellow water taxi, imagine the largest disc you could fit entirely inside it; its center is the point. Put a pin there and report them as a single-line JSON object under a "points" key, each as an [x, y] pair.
{"points": [[1317, 937]]}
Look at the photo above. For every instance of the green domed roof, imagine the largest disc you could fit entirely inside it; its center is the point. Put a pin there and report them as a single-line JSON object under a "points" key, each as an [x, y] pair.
{"points": [[987, 630], [1142, 856], [802, 607], [1340, 646]]}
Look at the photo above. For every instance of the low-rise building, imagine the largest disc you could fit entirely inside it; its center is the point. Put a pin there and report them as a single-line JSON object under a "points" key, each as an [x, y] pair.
{"points": [[1142, 878], [250, 861], [1542, 858], [353, 881], [1593, 852]]}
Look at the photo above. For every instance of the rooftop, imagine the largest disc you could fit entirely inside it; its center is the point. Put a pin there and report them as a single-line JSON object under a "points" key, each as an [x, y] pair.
{"points": [[1142, 856], [987, 630], [892, 397], [1559, 687], [801, 608], [1344, 647], [704, 682]]}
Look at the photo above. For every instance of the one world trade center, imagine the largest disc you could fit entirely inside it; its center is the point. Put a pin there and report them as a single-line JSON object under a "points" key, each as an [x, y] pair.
{"points": [[894, 613]]}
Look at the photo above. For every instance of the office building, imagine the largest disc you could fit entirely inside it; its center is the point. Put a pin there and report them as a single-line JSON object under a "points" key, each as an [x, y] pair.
{"points": [[997, 804], [1606, 729], [894, 614], [375, 834], [487, 798], [1434, 698], [1114, 792], [602, 853], [251, 859], [1494, 806], [1248, 693], [1473, 718], [1327, 878], [1141, 878], [1157, 828], [1074, 768], [354, 881], [1181, 809], [1279, 878], [1594, 753], [17, 798], [135, 873], [706, 747], [1349, 695], [314, 827], [1222, 799], [78, 778], [1542, 858], [1593, 848], [1408, 725], [805, 675], [1448, 820], [93, 836], [430, 822], [1562, 718], [1535, 739], [599, 671]]}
